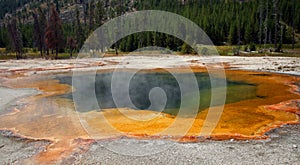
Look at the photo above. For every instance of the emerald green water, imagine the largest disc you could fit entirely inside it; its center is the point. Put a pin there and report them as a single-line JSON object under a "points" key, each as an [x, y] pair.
{"points": [[142, 83]]}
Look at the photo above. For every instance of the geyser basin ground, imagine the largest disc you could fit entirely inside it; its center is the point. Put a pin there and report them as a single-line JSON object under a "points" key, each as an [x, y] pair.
{"points": [[49, 116]]}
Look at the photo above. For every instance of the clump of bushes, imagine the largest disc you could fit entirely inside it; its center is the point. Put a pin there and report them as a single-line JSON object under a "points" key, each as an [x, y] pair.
{"points": [[251, 47]]}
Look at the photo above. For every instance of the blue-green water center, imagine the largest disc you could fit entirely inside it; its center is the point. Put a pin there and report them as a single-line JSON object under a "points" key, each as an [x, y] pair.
{"points": [[142, 83]]}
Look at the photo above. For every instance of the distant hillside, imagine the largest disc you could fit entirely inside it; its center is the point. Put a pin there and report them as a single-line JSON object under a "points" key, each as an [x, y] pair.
{"points": [[230, 22], [10, 7], [23, 9]]}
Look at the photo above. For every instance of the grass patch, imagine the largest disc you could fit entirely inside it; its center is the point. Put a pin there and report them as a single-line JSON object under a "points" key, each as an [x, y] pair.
{"points": [[30, 53], [287, 50], [226, 50]]}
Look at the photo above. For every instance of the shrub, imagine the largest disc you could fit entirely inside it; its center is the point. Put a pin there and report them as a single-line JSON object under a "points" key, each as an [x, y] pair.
{"points": [[252, 47]]}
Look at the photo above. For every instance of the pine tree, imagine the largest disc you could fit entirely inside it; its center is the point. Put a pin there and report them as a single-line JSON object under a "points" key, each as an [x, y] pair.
{"points": [[232, 34], [293, 24], [99, 13], [3, 36], [78, 30], [248, 34], [276, 23], [260, 22], [266, 24], [71, 43], [85, 13], [39, 30], [91, 15], [57, 5], [54, 32], [15, 37]]}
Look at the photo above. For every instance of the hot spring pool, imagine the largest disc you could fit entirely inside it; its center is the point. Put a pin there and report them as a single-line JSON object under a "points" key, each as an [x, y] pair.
{"points": [[142, 83]]}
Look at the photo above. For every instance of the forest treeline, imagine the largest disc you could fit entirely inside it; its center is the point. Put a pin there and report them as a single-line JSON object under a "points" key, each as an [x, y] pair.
{"points": [[227, 22]]}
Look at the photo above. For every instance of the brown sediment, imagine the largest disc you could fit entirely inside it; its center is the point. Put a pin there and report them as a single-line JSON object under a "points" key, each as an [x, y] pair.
{"points": [[52, 118], [291, 106], [62, 149]]}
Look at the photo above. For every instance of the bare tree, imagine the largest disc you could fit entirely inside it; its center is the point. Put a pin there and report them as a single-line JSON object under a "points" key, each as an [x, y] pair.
{"points": [[54, 32], [39, 30]]}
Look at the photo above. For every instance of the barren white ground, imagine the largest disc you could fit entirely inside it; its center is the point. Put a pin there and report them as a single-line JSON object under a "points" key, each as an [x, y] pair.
{"points": [[287, 65]]}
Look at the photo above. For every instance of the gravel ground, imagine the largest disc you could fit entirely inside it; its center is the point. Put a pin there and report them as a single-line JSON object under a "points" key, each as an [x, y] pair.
{"points": [[14, 150], [283, 147]]}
